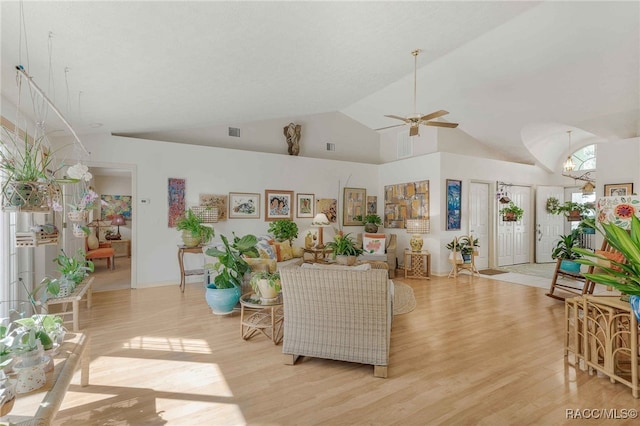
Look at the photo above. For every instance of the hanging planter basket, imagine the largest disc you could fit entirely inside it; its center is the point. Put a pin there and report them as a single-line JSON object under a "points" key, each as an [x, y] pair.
{"points": [[509, 217], [574, 216], [78, 215], [78, 231], [28, 196]]}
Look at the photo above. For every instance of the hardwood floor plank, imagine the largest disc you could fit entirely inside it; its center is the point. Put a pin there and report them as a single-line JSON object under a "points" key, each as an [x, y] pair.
{"points": [[474, 351]]}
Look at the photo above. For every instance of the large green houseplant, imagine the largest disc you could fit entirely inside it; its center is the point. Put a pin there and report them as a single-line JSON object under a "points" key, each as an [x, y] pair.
{"points": [[284, 230], [193, 231], [565, 250], [225, 290], [344, 249]]}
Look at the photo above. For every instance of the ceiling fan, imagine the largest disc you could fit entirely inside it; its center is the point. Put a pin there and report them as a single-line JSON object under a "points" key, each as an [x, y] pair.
{"points": [[415, 120]]}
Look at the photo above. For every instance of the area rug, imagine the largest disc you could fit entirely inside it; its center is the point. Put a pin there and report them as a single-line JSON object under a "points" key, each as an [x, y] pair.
{"points": [[491, 272], [403, 299]]}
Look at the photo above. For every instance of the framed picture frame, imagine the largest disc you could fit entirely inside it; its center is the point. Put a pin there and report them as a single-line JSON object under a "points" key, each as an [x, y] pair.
{"points": [[215, 200], [278, 204], [244, 205], [328, 206], [454, 192], [618, 189], [355, 204], [372, 204], [305, 204], [403, 201]]}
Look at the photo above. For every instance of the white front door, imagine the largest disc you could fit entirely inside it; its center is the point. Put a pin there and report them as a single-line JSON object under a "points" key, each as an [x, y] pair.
{"points": [[514, 238], [479, 221], [548, 226]]}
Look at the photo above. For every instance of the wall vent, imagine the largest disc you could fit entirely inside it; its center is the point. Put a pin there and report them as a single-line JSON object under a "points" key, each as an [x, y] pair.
{"points": [[234, 131], [404, 145], [331, 146]]}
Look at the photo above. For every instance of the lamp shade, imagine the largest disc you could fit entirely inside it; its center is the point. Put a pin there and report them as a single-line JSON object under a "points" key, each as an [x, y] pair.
{"points": [[118, 220], [207, 214], [320, 220], [417, 226]]}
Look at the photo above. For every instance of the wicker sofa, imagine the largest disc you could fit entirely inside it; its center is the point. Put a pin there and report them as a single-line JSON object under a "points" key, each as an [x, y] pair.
{"points": [[338, 314]]}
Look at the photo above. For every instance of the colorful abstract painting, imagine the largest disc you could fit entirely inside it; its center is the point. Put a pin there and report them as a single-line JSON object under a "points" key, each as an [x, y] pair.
{"points": [[454, 190], [115, 204], [176, 200], [404, 201]]}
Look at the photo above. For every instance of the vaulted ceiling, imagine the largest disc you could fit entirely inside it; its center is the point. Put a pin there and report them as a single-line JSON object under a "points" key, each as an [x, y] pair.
{"points": [[515, 75]]}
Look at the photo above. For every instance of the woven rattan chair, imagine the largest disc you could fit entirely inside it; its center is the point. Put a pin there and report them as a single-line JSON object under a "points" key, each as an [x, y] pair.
{"points": [[338, 314]]}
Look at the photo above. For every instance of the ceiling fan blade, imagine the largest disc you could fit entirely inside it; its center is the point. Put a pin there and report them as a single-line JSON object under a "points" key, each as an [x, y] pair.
{"points": [[388, 127], [441, 124], [434, 115], [397, 118], [414, 131]]}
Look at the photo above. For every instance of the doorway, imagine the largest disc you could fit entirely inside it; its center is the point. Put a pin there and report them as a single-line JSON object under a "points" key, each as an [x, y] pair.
{"points": [[514, 238], [479, 224]]}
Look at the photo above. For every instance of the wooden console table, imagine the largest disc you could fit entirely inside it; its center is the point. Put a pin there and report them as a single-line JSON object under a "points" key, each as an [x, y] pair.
{"points": [[602, 332], [189, 272], [40, 406], [84, 288]]}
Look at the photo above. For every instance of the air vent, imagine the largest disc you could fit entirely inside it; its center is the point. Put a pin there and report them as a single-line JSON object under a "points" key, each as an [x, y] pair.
{"points": [[234, 131], [405, 145], [331, 146]]}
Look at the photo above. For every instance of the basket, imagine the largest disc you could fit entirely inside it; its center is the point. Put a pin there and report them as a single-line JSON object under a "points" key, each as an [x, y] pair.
{"points": [[207, 214], [78, 215], [35, 239], [78, 231], [28, 196]]}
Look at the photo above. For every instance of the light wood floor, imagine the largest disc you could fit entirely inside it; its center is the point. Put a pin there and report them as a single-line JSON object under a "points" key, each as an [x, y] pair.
{"points": [[474, 351]]}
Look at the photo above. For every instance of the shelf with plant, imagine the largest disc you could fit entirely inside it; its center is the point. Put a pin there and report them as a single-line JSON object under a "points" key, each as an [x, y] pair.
{"points": [[194, 232], [371, 222], [512, 212], [266, 284]]}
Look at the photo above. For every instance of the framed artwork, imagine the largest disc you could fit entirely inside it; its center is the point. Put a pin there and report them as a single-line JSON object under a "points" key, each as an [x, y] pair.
{"points": [[372, 204], [618, 189], [328, 206], [115, 204], [454, 193], [355, 200], [176, 189], [278, 204], [305, 204], [404, 201], [215, 200], [244, 205]]}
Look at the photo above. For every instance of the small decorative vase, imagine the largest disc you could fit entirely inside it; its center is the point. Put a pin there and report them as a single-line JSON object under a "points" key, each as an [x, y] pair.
{"points": [[308, 241], [634, 301], [371, 228], [416, 242], [189, 240], [30, 377]]}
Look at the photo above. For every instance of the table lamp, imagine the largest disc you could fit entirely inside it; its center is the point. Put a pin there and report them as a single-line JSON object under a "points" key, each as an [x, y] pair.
{"points": [[320, 221], [417, 227], [117, 221]]}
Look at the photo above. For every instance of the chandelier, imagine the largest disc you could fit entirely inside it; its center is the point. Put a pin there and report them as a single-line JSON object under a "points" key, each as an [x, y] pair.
{"points": [[568, 165]]}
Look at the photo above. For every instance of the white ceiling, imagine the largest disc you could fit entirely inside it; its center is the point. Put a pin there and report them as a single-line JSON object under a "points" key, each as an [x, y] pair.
{"points": [[515, 75]]}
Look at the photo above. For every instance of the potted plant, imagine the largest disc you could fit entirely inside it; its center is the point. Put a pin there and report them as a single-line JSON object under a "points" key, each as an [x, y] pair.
{"points": [[469, 246], [28, 180], [194, 232], [223, 293], [575, 211], [370, 222], [456, 246], [511, 213], [623, 274], [266, 284], [565, 250], [344, 249], [284, 230]]}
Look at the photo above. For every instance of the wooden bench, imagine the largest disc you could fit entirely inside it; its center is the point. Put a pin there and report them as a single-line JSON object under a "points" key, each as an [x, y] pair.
{"points": [[84, 288]]}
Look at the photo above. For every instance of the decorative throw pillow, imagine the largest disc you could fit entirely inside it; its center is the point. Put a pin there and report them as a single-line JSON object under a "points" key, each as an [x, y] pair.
{"points": [[285, 251], [257, 264], [266, 250], [616, 256], [362, 267], [297, 251], [373, 243]]}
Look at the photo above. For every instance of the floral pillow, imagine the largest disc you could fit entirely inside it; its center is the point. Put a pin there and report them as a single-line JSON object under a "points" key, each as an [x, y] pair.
{"points": [[266, 250], [373, 243]]}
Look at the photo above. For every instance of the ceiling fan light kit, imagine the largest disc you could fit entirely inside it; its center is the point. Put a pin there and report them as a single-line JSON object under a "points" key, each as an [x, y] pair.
{"points": [[416, 119]]}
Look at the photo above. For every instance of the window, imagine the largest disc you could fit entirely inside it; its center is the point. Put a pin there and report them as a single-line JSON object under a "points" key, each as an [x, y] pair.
{"points": [[585, 158]]}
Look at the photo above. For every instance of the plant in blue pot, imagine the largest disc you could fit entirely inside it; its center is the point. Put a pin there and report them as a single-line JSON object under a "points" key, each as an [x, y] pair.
{"points": [[223, 293], [622, 273], [566, 251]]}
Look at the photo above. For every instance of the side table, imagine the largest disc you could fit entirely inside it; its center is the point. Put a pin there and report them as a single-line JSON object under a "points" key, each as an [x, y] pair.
{"points": [[189, 272], [267, 318], [417, 264], [121, 248], [319, 254]]}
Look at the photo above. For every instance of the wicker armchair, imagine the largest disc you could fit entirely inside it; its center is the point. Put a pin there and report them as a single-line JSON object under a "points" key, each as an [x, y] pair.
{"points": [[390, 253], [338, 314]]}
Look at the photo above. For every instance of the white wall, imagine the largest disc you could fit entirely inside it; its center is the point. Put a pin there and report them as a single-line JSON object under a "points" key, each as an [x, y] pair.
{"points": [[617, 162], [214, 171]]}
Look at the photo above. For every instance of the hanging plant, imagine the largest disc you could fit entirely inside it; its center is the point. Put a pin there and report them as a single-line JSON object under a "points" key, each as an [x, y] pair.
{"points": [[552, 205], [511, 213]]}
